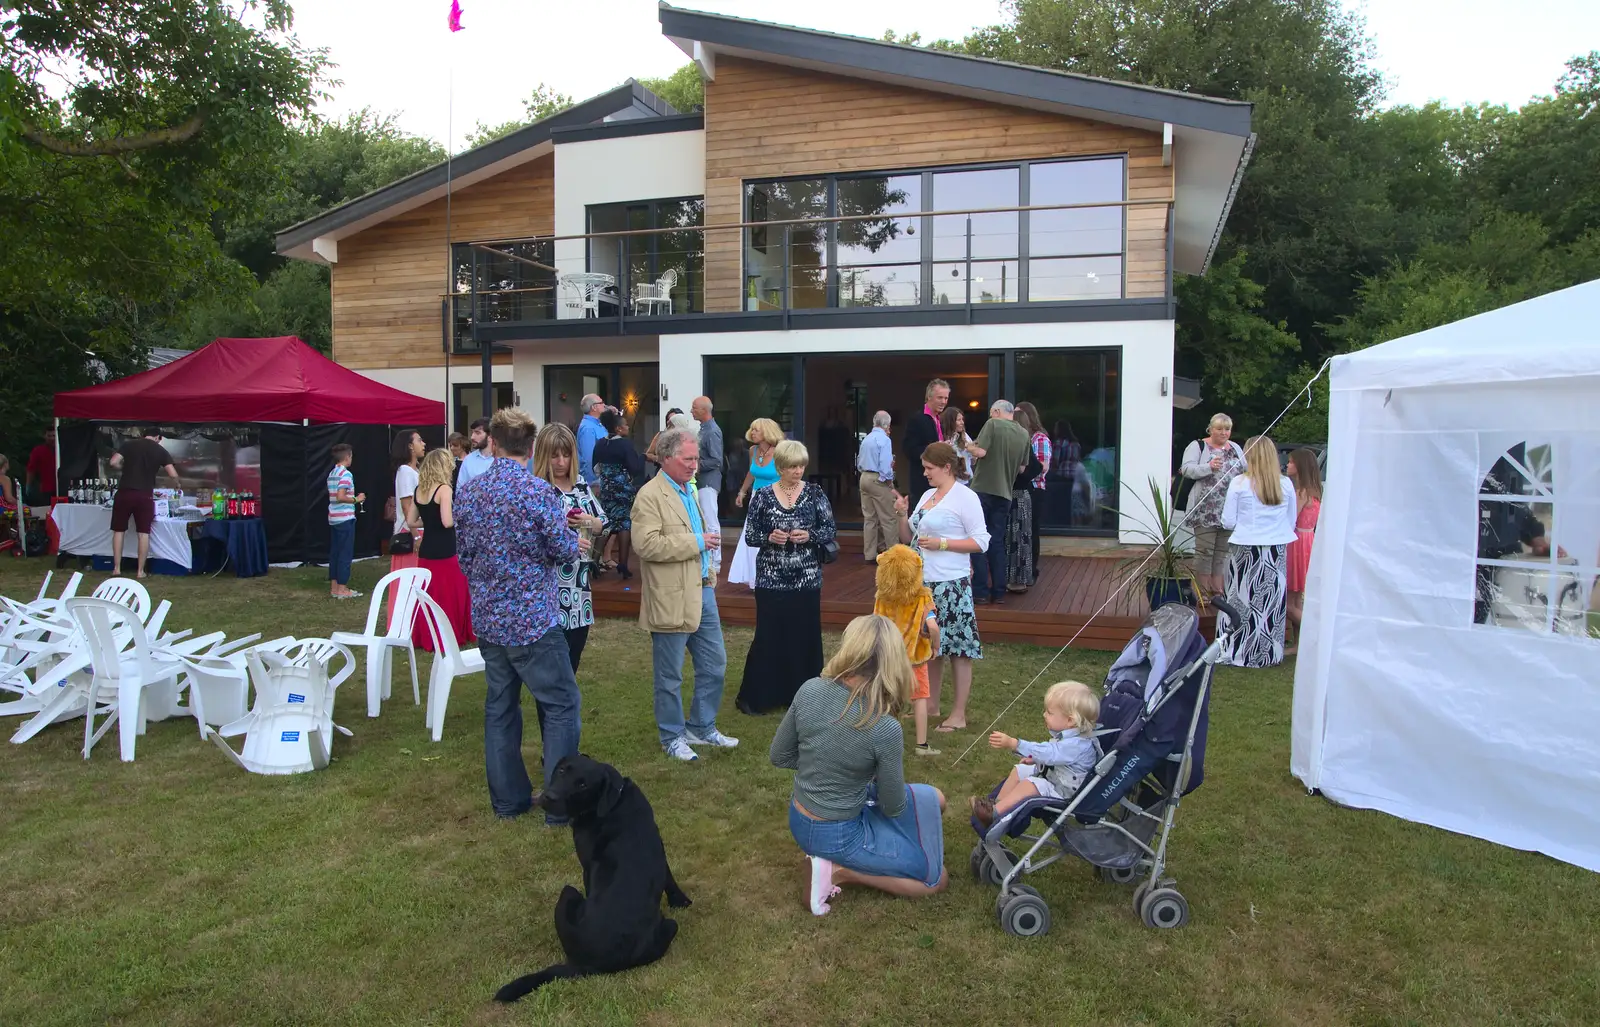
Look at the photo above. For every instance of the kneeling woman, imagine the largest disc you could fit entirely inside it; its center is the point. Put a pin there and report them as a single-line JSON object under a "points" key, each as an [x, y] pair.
{"points": [[852, 812]]}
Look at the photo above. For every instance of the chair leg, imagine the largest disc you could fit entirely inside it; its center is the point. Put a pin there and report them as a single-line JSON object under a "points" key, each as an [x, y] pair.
{"points": [[130, 716], [416, 693], [440, 700], [57, 707], [375, 668]]}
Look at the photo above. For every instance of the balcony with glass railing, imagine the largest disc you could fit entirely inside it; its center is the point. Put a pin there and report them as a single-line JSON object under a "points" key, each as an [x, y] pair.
{"points": [[975, 265]]}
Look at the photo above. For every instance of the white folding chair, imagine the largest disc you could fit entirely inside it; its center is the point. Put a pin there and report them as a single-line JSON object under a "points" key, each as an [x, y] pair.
{"points": [[450, 661], [409, 584], [122, 685], [289, 732], [649, 295]]}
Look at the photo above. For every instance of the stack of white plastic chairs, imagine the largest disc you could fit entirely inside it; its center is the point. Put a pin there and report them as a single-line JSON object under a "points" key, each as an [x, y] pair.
{"points": [[290, 728], [106, 658]]}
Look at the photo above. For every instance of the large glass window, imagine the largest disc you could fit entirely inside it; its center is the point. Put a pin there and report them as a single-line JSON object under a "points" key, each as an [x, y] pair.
{"points": [[1075, 254], [516, 283], [994, 236], [1076, 393], [878, 242], [652, 258], [807, 258], [743, 389]]}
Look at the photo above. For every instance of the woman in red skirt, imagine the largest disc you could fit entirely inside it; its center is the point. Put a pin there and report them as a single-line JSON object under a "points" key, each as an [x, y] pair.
{"points": [[1307, 477], [437, 551]]}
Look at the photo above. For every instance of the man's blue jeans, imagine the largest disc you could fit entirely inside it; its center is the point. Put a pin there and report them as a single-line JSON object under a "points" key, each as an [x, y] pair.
{"points": [[710, 663], [989, 568], [546, 669]]}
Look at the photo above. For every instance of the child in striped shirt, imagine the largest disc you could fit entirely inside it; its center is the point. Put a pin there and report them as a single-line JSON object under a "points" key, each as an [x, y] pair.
{"points": [[342, 500]]}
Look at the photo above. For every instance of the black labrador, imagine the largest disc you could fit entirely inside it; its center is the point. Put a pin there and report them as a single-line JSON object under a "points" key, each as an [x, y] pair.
{"points": [[625, 874]]}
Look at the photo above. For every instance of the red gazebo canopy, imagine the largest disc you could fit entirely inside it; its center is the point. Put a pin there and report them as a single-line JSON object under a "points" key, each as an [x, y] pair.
{"points": [[239, 380]]}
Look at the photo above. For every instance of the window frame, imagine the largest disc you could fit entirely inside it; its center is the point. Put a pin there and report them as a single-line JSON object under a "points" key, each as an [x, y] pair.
{"points": [[653, 206]]}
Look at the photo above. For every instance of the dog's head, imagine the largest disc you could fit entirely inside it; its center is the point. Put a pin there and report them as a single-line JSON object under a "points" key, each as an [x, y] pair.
{"points": [[581, 787]]}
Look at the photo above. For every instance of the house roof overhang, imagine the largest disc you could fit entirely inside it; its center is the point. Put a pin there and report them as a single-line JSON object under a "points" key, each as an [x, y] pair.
{"points": [[1211, 138], [317, 239]]}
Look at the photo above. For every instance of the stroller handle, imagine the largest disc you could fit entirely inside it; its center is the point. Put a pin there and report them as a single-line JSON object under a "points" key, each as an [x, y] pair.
{"points": [[1235, 620]]}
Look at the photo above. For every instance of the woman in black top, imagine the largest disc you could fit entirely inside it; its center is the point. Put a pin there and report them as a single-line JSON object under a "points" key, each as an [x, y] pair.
{"points": [[434, 512], [791, 523]]}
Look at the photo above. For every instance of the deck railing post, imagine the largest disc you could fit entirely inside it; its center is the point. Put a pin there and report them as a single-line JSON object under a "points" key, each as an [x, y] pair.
{"points": [[622, 283], [485, 358], [969, 270], [788, 239]]}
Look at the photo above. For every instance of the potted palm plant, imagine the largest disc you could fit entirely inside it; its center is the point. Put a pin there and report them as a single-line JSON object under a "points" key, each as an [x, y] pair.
{"points": [[1165, 571]]}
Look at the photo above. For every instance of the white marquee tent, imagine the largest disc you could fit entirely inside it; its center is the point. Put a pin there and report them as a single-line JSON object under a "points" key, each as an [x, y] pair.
{"points": [[1449, 669]]}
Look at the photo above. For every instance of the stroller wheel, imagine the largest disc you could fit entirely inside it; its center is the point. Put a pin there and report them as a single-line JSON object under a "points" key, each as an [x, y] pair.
{"points": [[1164, 908], [985, 870], [1024, 914], [1138, 898], [1115, 875]]}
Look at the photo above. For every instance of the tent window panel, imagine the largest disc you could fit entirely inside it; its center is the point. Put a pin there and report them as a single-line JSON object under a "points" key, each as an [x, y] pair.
{"points": [[1539, 537]]}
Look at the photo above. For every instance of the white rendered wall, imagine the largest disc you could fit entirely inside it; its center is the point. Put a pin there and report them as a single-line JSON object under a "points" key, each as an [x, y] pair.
{"points": [[429, 382], [528, 360], [648, 167], [1147, 351]]}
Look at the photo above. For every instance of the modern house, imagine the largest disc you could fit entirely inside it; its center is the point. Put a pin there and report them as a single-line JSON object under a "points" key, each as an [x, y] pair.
{"points": [[844, 220]]}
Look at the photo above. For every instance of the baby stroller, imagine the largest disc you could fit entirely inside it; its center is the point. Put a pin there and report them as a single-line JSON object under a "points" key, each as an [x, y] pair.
{"points": [[1152, 733]]}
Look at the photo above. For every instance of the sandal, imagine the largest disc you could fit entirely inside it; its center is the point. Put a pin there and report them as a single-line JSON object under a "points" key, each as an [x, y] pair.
{"points": [[946, 728]]}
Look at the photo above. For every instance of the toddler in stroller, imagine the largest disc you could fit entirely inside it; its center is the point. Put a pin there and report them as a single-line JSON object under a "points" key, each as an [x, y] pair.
{"points": [[1053, 769], [1152, 731]]}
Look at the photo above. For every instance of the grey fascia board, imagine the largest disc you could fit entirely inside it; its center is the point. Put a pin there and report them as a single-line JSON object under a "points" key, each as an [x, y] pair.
{"points": [[629, 95], [917, 65], [634, 127]]}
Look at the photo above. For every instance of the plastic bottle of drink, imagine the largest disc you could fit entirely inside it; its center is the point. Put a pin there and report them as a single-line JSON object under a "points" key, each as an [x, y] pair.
{"points": [[216, 504]]}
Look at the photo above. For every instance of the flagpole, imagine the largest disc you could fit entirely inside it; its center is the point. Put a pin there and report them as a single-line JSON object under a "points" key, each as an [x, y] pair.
{"points": [[449, 251]]}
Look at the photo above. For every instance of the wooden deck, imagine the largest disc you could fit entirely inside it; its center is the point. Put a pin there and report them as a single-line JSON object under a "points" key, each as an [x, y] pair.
{"points": [[1069, 592]]}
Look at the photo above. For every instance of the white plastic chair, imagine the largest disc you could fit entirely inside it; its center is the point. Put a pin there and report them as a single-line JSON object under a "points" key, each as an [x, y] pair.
{"points": [[122, 685], [450, 661], [649, 295], [574, 299], [126, 592], [216, 677], [290, 731], [409, 583]]}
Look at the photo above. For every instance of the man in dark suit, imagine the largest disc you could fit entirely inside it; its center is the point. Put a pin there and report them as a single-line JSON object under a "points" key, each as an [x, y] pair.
{"points": [[922, 431]]}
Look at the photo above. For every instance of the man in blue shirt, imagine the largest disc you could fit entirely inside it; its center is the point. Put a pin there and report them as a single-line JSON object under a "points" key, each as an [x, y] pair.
{"points": [[708, 479], [512, 537], [590, 431], [880, 525], [478, 460]]}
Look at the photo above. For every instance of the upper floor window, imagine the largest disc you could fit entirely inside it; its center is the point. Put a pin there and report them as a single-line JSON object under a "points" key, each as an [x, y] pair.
{"points": [[877, 240], [516, 282], [664, 252]]}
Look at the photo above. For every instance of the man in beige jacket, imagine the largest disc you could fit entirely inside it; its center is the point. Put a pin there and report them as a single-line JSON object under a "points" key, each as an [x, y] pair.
{"points": [[678, 601]]}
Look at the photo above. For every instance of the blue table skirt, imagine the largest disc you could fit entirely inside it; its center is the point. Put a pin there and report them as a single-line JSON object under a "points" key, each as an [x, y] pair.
{"points": [[243, 544]]}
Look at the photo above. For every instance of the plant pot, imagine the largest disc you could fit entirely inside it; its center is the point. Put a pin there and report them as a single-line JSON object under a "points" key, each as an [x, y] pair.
{"points": [[1161, 591]]}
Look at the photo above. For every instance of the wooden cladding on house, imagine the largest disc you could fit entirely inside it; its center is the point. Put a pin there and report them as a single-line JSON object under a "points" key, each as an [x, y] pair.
{"points": [[767, 121], [390, 279]]}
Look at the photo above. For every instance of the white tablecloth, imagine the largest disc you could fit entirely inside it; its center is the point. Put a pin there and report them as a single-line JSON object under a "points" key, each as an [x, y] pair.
{"points": [[86, 531]]}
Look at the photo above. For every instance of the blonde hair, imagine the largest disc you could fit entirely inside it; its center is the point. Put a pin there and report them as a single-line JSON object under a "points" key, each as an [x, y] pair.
{"points": [[1220, 421], [438, 467], [556, 438], [682, 422], [764, 429], [790, 453], [1261, 467], [872, 656], [1074, 699]]}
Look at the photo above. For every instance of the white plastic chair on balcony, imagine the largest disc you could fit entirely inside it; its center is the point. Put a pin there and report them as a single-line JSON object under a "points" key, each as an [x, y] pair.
{"points": [[291, 728], [450, 661], [647, 296], [409, 583], [121, 684]]}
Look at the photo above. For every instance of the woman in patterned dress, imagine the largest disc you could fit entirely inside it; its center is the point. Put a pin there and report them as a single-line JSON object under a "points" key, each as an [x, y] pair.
{"points": [[618, 467], [948, 527], [555, 459], [1022, 531], [788, 523], [1211, 463], [1260, 512]]}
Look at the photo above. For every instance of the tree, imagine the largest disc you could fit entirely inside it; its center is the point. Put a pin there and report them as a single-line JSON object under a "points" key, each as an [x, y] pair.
{"points": [[683, 88], [126, 128], [544, 102]]}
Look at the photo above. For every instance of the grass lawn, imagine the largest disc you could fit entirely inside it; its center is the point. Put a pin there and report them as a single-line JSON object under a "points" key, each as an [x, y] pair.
{"points": [[178, 890]]}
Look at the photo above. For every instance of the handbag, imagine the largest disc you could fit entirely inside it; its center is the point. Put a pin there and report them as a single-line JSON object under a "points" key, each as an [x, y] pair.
{"points": [[402, 544], [828, 551]]}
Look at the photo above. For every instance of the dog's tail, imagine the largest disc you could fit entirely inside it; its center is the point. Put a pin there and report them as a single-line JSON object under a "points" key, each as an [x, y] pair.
{"points": [[532, 982]]}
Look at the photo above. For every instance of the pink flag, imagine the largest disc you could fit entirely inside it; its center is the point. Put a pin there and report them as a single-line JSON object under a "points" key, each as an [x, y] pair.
{"points": [[455, 15]]}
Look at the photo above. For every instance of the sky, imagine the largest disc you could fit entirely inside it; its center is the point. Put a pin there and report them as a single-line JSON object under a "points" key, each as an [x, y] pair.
{"points": [[397, 57]]}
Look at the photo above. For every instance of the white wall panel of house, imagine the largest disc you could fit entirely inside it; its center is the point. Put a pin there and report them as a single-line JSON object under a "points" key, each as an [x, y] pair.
{"points": [[429, 382]]}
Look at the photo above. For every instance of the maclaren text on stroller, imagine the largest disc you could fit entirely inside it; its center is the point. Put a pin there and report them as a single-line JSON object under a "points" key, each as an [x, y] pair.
{"points": [[1152, 732]]}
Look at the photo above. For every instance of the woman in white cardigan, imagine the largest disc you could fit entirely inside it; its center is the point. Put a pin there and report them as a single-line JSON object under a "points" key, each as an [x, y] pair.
{"points": [[1260, 512], [947, 528]]}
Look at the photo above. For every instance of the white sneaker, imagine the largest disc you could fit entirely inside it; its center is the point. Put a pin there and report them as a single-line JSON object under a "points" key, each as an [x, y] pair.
{"points": [[822, 886], [712, 737], [679, 749]]}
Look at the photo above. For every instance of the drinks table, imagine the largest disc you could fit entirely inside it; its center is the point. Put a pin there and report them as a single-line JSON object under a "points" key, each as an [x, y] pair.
{"points": [[86, 531]]}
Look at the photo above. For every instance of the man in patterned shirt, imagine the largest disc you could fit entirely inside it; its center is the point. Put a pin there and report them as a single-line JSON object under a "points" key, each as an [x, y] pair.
{"points": [[512, 537]]}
